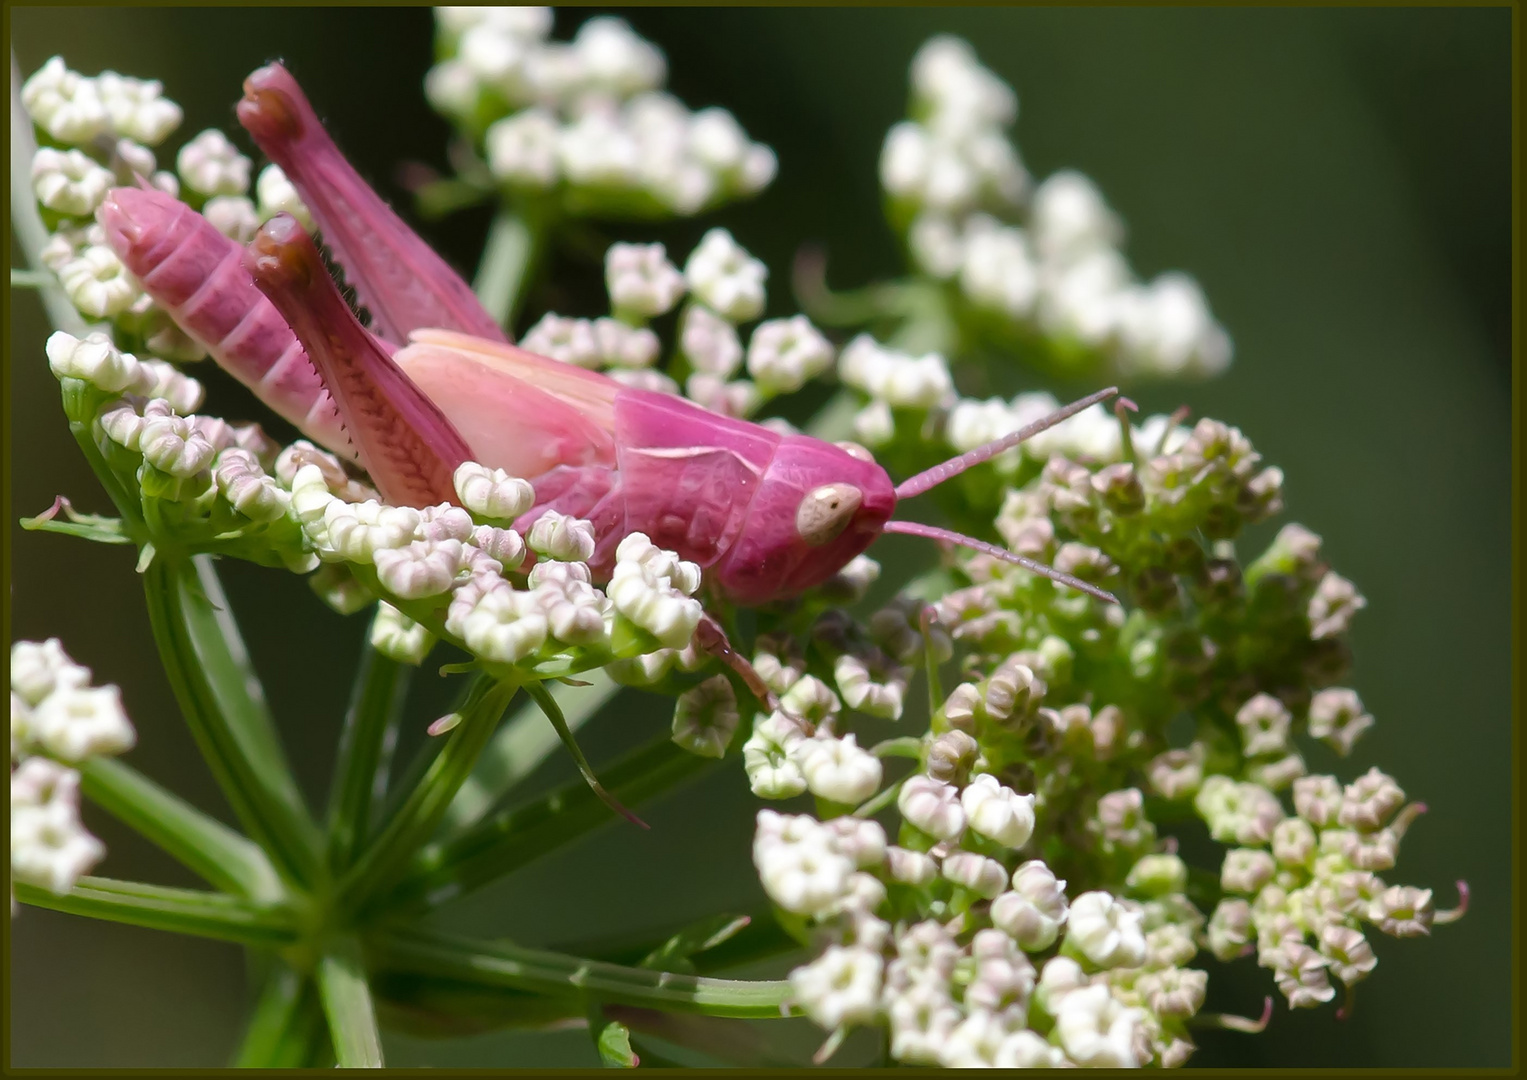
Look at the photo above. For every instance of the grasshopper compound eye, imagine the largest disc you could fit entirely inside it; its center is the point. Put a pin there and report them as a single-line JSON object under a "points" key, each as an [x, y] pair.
{"points": [[826, 511]]}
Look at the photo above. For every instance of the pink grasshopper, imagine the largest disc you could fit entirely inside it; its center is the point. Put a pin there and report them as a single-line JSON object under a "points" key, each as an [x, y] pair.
{"points": [[765, 515]]}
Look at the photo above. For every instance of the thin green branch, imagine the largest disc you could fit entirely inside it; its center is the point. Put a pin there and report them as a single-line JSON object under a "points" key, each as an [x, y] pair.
{"points": [[522, 744], [498, 963], [181, 911], [209, 671], [381, 685], [507, 840], [347, 1004], [388, 854], [514, 244], [202, 844], [285, 1023]]}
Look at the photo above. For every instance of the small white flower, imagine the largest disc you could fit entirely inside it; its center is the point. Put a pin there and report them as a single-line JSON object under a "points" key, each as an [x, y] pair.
{"points": [[1368, 801], [1069, 218], [277, 195], [861, 839], [932, 806], [570, 340], [74, 724], [842, 986], [597, 151], [1264, 724], [705, 716], [1106, 931], [1165, 328], [64, 103], [725, 277], [49, 846], [784, 353], [1060, 976], [561, 537], [895, 378], [809, 698], [491, 494], [937, 246], [769, 759], [453, 88], [614, 59], [41, 668], [69, 181], [1230, 929], [1318, 799], [976, 1041], [644, 379], [496, 622], [357, 531], [173, 445], [1084, 300], [1026, 1050], [421, 569], [805, 875], [654, 589], [998, 812], [998, 272], [1403, 911], [922, 1016], [710, 342], [859, 687], [522, 148], [137, 107], [1246, 870], [738, 398], [504, 546], [911, 867], [947, 77], [211, 165], [837, 769], [640, 279], [98, 284], [395, 635], [874, 425], [1348, 954], [1337, 718], [1333, 606], [1035, 910], [625, 346], [1301, 975], [1096, 1031], [234, 216], [982, 876]]}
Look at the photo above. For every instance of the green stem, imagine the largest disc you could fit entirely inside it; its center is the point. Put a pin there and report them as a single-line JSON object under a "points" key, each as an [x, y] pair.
{"points": [[181, 911], [513, 246], [509, 839], [348, 1006], [208, 669], [284, 1024], [385, 857], [381, 685], [202, 844], [31, 233], [498, 963], [521, 745]]}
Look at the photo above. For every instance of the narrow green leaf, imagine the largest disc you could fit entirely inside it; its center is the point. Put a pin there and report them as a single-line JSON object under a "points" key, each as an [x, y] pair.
{"points": [[181, 911], [385, 857], [286, 1021], [542, 697], [376, 707], [510, 838], [201, 843], [99, 533], [347, 1004], [497, 963], [522, 744], [220, 697], [613, 1041], [674, 954], [513, 246]]}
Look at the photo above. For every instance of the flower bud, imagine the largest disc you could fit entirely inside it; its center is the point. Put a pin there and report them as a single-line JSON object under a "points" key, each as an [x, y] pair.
{"points": [[1230, 929], [996, 811], [1318, 799], [1033, 912], [769, 759], [562, 537], [398, 637], [1105, 931], [726, 278], [982, 876], [49, 845], [911, 867], [705, 717], [69, 181], [210, 165], [492, 494], [836, 769], [1246, 870], [932, 806], [783, 354], [419, 570], [1157, 875], [1293, 842], [640, 279]]}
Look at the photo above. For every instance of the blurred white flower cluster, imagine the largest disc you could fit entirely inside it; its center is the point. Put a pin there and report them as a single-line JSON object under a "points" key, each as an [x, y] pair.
{"points": [[588, 118], [105, 127], [57, 721], [1038, 261], [726, 288]]}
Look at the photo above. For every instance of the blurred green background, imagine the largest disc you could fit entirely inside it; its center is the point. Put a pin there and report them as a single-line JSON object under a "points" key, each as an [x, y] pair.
{"points": [[1339, 181]]}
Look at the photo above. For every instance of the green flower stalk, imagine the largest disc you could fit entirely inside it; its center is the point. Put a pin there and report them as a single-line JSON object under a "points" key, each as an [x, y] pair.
{"points": [[1001, 885]]}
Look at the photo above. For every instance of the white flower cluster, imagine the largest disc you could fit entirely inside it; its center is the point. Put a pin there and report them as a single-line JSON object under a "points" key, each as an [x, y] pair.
{"points": [[727, 287], [892, 380], [57, 717], [959, 185], [95, 360], [1300, 887], [587, 116], [75, 109], [959, 992]]}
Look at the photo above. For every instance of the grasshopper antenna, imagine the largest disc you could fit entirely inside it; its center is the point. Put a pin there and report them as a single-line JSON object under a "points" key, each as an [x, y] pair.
{"points": [[932, 478], [948, 536], [548, 704]]}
